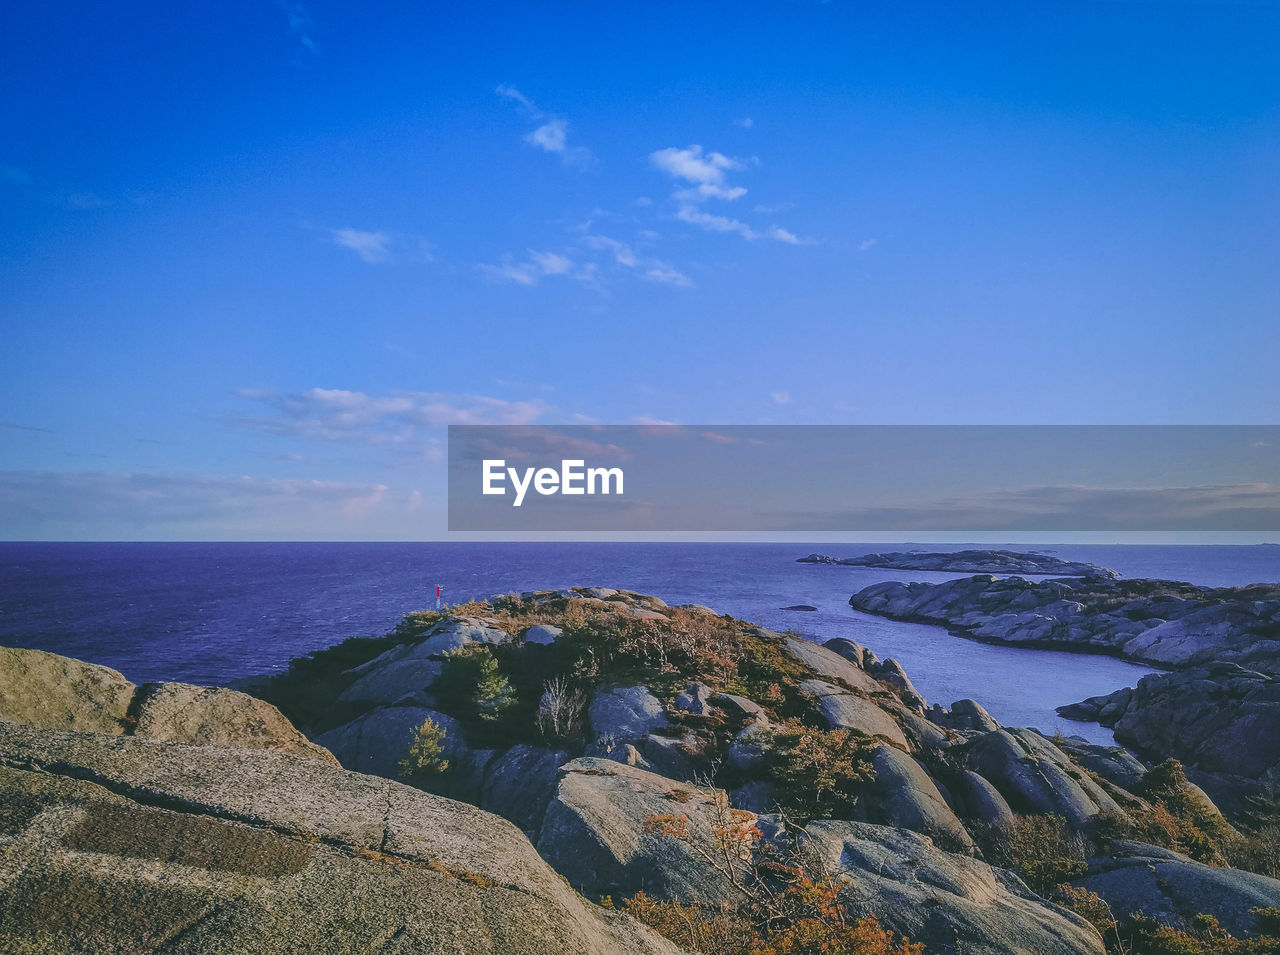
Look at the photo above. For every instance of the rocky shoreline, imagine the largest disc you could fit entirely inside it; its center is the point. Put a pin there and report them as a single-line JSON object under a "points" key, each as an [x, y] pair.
{"points": [[1218, 711], [680, 764], [970, 562]]}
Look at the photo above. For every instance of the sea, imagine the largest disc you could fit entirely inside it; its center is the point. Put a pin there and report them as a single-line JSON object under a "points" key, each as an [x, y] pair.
{"points": [[209, 613]]}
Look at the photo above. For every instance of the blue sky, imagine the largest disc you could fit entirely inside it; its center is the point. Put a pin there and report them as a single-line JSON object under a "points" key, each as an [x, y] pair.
{"points": [[254, 256]]}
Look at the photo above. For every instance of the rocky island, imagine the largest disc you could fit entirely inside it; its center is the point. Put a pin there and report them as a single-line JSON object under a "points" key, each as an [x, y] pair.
{"points": [[970, 562], [592, 771]]}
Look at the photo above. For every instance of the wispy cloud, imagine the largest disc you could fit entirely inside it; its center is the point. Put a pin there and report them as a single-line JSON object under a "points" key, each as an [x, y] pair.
{"points": [[626, 257], [301, 25], [1225, 507], [705, 175], [780, 397], [866, 244], [373, 247], [14, 426], [534, 267], [745, 123], [651, 422], [667, 275], [552, 132], [353, 417], [37, 504]]}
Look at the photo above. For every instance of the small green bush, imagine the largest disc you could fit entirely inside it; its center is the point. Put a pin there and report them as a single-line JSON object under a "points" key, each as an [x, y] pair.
{"points": [[424, 764]]}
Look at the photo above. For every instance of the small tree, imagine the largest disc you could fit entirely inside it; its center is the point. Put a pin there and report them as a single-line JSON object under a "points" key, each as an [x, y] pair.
{"points": [[820, 772], [472, 682], [560, 709], [425, 764]]}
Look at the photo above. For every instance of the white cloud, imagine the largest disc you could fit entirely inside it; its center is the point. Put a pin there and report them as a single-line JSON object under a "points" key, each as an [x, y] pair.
{"points": [[692, 165], [745, 123], [511, 93], [710, 191], [706, 174], [75, 505], [653, 422], [780, 397], [373, 247], [550, 136], [353, 417], [552, 133], [668, 275], [536, 266], [623, 254], [654, 270], [866, 244], [301, 25], [551, 263]]}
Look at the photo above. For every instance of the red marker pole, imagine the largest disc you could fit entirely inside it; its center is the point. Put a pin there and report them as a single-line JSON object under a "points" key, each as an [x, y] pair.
{"points": [[439, 591]]}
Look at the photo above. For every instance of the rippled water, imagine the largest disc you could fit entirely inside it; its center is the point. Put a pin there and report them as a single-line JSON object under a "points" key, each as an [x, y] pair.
{"points": [[208, 613]]}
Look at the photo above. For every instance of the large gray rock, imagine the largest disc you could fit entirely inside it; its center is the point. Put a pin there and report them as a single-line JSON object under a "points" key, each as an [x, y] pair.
{"points": [[844, 710], [520, 783], [1115, 764], [1034, 776], [902, 794], [853, 652], [376, 741], [831, 666], [738, 706], [952, 903], [57, 693], [594, 834], [964, 715], [392, 676], [128, 844], [408, 669], [543, 634], [696, 699], [891, 672], [672, 757], [980, 801], [1222, 721], [1173, 889], [747, 749], [625, 713], [216, 716], [47, 691]]}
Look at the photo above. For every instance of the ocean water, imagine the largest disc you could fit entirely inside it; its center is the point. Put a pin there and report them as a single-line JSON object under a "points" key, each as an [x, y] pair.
{"points": [[209, 613]]}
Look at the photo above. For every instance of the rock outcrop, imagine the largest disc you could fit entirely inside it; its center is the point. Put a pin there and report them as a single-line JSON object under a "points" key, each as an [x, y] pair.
{"points": [[129, 844], [694, 727], [412, 668], [598, 832], [952, 903], [1168, 886], [1161, 623], [971, 562], [1221, 721], [52, 692]]}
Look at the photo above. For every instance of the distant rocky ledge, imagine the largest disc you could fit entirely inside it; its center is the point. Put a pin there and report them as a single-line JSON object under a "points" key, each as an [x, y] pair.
{"points": [[1158, 622], [970, 562]]}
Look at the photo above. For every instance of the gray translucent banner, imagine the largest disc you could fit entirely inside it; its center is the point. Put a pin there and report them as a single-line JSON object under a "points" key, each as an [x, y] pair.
{"points": [[864, 478]]}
